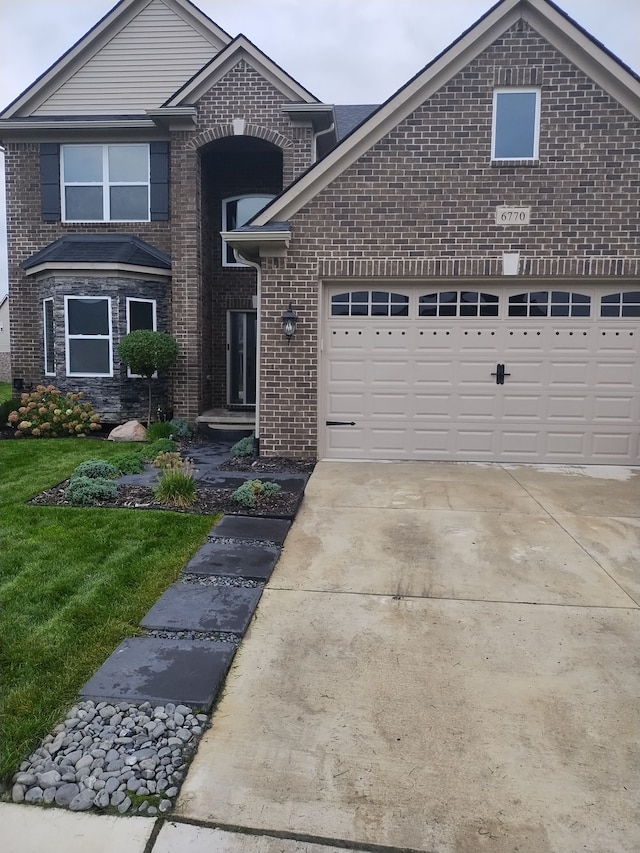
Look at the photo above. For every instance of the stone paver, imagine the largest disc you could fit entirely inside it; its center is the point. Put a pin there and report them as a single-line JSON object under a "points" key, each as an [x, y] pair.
{"points": [[192, 607], [161, 670], [250, 527], [236, 559]]}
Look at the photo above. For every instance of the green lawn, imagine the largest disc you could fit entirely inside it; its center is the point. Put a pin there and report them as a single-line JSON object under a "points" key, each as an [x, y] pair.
{"points": [[73, 583], [5, 392]]}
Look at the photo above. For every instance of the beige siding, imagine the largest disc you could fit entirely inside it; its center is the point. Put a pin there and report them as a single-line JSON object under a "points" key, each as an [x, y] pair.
{"points": [[138, 69]]}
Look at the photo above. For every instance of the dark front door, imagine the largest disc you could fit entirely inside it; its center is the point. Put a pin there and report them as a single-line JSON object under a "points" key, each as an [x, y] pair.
{"points": [[241, 348]]}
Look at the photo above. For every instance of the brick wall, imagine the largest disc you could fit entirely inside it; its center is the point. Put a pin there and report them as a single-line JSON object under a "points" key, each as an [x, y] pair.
{"points": [[203, 291], [429, 190]]}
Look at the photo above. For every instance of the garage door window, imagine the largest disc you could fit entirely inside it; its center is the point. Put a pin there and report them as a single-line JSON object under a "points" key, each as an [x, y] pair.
{"points": [[621, 304], [454, 303], [369, 303], [550, 303]]}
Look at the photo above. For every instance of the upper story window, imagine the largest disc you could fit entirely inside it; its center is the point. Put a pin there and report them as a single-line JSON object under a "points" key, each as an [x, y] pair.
{"points": [[369, 303], [236, 212], [105, 183], [516, 124]]}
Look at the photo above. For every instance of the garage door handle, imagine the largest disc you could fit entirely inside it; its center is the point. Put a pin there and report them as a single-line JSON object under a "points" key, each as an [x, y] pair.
{"points": [[500, 374], [341, 423]]}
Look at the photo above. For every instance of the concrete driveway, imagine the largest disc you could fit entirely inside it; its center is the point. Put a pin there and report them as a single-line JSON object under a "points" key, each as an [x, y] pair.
{"points": [[445, 660]]}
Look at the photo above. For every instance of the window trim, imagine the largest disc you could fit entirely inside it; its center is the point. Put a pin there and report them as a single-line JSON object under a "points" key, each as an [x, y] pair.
{"points": [[68, 337], [49, 370], [154, 305], [225, 201], [619, 305], [105, 183], [501, 90], [571, 303]]}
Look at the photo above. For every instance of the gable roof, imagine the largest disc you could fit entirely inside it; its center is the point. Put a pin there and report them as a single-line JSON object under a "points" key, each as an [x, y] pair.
{"points": [[169, 39], [239, 48], [544, 17], [102, 249]]}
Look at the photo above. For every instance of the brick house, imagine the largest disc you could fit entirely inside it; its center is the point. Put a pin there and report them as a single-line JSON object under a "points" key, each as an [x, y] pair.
{"points": [[461, 262]]}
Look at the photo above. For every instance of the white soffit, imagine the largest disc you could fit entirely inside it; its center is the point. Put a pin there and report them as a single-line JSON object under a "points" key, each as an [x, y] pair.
{"points": [[163, 42], [542, 16]]}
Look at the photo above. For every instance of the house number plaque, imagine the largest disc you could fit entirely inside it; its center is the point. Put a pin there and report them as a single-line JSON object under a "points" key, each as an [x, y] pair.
{"points": [[513, 215]]}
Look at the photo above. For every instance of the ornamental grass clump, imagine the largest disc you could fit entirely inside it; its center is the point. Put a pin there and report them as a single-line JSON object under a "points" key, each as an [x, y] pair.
{"points": [[162, 445], [47, 413], [251, 490], [159, 429], [177, 486]]}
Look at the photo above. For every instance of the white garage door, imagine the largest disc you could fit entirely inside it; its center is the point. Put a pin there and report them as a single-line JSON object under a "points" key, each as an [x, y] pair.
{"points": [[494, 374]]}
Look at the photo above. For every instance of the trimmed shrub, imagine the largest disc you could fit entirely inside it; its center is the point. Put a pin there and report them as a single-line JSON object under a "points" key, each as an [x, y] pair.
{"points": [[244, 447], [159, 429], [96, 469], [47, 413], [162, 445], [147, 352], [249, 492], [89, 491], [180, 428], [129, 463]]}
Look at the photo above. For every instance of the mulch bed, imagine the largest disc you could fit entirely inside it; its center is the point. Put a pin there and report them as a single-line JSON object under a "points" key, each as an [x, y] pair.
{"points": [[269, 465], [209, 501]]}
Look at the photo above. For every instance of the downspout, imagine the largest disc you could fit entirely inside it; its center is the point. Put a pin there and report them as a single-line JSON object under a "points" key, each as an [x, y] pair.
{"points": [[314, 152], [242, 260]]}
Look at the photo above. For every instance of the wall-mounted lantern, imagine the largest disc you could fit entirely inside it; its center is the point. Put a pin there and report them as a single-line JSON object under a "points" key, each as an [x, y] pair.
{"points": [[289, 322]]}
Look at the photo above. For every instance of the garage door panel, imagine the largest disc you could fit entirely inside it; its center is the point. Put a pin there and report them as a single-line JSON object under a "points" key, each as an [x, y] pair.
{"points": [[422, 388]]}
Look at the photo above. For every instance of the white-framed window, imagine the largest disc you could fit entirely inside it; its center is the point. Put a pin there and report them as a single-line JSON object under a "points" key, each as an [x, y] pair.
{"points": [[624, 304], [106, 183], [48, 338], [236, 212], [141, 314], [550, 303], [516, 124], [88, 335], [458, 303], [369, 303]]}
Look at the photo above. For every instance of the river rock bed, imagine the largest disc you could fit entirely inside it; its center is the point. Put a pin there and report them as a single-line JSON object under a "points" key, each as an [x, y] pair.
{"points": [[122, 757]]}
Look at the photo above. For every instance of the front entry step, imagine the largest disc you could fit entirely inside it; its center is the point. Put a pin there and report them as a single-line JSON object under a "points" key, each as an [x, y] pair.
{"points": [[225, 419]]}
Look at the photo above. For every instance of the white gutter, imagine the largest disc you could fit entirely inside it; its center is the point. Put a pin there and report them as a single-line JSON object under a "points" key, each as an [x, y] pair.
{"points": [[329, 129], [242, 260]]}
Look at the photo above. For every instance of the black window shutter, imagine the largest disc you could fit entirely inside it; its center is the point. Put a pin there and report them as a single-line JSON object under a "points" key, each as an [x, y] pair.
{"points": [[50, 181], [159, 170]]}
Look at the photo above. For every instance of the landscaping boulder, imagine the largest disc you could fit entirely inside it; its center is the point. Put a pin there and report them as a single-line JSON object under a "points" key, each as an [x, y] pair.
{"points": [[131, 431]]}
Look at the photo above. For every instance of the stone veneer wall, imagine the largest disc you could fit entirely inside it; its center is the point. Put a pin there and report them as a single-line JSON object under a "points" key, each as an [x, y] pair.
{"points": [[429, 190], [117, 398]]}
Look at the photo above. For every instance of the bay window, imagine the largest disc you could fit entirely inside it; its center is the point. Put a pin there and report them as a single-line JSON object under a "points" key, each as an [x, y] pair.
{"points": [[88, 336]]}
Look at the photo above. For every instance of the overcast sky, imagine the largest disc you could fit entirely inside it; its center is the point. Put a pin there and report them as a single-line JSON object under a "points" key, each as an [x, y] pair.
{"points": [[344, 51]]}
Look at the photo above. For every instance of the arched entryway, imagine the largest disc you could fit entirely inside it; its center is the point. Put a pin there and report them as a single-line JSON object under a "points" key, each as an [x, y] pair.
{"points": [[239, 175]]}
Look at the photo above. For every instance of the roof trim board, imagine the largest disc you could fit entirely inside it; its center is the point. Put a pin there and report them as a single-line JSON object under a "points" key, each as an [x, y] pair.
{"points": [[93, 267], [96, 38], [543, 16], [240, 48]]}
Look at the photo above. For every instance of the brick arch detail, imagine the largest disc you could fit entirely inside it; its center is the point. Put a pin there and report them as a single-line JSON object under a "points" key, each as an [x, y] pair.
{"points": [[222, 130]]}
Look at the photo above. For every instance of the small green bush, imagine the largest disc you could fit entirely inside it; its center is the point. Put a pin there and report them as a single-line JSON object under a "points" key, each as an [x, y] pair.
{"points": [[244, 447], [177, 486], [159, 429], [180, 428], [162, 445], [96, 469], [129, 463], [88, 491], [47, 413], [249, 492]]}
